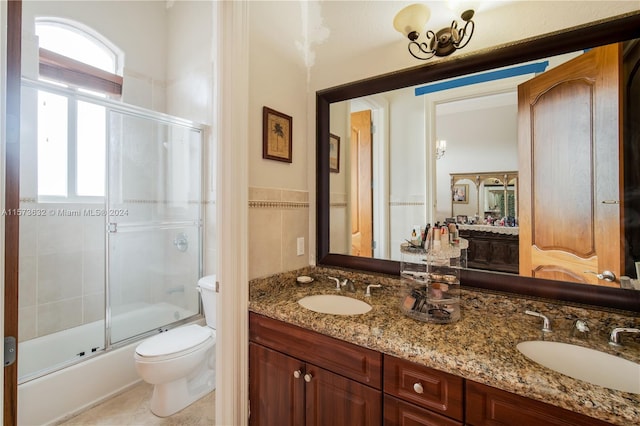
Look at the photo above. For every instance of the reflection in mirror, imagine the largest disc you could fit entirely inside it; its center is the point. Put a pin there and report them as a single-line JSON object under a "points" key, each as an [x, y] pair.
{"points": [[411, 187]]}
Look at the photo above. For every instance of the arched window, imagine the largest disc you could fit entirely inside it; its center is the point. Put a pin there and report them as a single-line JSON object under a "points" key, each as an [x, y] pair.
{"points": [[73, 53], [72, 132]]}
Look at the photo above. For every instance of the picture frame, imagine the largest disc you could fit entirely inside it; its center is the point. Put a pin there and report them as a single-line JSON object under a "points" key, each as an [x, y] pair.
{"points": [[334, 153], [277, 142], [460, 193]]}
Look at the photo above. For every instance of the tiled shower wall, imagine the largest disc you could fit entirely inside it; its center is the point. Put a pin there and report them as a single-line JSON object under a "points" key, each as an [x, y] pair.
{"points": [[61, 267], [277, 218]]}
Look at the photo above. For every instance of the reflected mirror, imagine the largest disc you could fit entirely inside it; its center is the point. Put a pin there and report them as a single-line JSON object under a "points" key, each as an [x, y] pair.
{"points": [[518, 171]]}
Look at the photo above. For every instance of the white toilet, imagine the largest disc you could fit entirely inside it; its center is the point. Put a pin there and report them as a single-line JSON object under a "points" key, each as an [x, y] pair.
{"points": [[180, 363]]}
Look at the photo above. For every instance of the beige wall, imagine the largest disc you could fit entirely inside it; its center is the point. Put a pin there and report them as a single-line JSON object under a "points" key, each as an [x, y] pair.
{"points": [[278, 191]]}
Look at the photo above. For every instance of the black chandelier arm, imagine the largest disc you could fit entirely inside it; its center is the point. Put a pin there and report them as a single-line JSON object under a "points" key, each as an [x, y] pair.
{"points": [[469, 26], [423, 50]]}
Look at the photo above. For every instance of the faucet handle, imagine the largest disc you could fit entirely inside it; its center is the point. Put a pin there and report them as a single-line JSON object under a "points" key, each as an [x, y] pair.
{"points": [[546, 324], [369, 287], [337, 282], [581, 327], [614, 338]]}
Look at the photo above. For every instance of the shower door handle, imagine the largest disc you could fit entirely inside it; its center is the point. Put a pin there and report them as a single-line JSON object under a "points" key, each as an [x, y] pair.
{"points": [[9, 350]]}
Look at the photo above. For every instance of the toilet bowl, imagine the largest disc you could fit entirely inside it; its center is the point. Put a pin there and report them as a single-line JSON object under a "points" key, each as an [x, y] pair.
{"points": [[180, 363]]}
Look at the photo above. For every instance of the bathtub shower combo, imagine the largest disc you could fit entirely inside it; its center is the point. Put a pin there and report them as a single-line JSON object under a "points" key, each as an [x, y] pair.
{"points": [[111, 231]]}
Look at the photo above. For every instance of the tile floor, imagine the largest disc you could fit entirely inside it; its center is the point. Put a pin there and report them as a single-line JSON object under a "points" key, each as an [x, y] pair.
{"points": [[131, 408]]}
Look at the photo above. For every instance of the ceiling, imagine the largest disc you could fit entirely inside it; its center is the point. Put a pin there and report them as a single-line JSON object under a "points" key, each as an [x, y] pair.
{"points": [[356, 25]]}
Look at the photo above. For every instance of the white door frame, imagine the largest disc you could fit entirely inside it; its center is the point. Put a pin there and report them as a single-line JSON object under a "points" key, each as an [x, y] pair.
{"points": [[231, 85]]}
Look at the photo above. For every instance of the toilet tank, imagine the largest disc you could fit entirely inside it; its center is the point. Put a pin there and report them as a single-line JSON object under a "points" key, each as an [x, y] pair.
{"points": [[207, 286]]}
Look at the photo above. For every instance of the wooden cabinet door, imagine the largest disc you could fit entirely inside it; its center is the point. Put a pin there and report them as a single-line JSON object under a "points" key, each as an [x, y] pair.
{"points": [[333, 400], [401, 413], [569, 138], [487, 406], [276, 396]]}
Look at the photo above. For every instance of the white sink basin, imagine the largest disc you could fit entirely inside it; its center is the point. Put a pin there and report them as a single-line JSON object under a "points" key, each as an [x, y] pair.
{"points": [[598, 368], [334, 304]]}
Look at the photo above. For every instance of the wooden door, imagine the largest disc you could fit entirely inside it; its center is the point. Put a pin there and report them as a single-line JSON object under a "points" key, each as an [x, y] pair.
{"points": [[12, 202], [569, 137], [333, 400], [276, 396], [361, 178]]}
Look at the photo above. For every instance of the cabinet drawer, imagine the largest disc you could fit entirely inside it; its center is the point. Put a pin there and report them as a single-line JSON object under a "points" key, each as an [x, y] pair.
{"points": [[349, 360], [490, 406], [424, 386], [401, 413]]}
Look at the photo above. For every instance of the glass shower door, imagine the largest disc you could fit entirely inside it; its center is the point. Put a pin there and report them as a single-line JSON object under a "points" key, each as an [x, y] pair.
{"points": [[154, 223]]}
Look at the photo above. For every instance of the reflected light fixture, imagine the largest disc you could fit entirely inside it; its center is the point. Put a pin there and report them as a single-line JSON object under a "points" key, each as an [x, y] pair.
{"points": [[441, 147], [412, 20]]}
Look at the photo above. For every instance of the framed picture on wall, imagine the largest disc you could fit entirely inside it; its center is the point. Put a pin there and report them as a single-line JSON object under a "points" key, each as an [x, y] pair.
{"points": [[276, 135], [461, 193], [334, 153]]}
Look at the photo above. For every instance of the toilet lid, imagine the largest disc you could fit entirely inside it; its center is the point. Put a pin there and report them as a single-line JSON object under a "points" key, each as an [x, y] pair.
{"points": [[174, 341]]}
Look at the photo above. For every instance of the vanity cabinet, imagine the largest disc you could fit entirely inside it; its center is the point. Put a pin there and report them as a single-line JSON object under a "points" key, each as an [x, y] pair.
{"points": [[492, 251], [419, 395], [299, 377], [486, 406]]}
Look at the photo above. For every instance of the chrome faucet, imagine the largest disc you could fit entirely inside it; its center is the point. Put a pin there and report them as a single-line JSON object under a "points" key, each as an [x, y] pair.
{"points": [[581, 328], [345, 283], [349, 285], [337, 282], [614, 338], [546, 324], [369, 287]]}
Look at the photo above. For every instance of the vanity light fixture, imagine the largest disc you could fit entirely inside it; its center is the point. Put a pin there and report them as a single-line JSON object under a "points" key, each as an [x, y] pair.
{"points": [[441, 147], [411, 20]]}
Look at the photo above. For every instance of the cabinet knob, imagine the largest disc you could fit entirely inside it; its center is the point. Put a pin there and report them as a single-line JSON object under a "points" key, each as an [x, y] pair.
{"points": [[308, 377], [417, 387], [297, 374]]}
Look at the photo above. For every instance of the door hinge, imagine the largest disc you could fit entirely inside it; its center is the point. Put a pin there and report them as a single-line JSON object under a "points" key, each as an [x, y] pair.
{"points": [[373, 245], [9, 350], [112, 227], [373, 128]]}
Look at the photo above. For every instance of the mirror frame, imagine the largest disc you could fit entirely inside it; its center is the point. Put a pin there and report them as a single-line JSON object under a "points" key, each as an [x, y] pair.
{"points": [[598, 33]]}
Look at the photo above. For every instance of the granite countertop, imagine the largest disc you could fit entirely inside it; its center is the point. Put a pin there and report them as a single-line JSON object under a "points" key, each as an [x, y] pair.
{"points": [[481, 346]]}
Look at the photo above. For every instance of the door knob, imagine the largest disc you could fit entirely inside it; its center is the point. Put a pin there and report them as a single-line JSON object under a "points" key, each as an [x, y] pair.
{"points": [[297, 374], [605, 275], [308, 377]]}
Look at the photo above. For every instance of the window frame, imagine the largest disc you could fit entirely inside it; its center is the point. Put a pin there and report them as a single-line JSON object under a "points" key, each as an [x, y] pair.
{"points": [[77, 75]]}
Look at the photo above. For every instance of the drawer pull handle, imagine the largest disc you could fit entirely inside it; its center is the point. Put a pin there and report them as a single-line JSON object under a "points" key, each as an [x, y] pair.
{"points": [[308, 377], [297, 374], [418, 388]]}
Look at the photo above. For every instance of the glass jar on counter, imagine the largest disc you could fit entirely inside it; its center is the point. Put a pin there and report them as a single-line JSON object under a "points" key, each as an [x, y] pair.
{"points": [[431, 282]]}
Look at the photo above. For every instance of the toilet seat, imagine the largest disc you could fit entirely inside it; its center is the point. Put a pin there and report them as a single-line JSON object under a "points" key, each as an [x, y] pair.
{"points": [[175, 343]]}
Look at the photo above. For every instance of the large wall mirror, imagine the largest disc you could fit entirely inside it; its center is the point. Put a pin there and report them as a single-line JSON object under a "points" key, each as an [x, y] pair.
{"points": [[558, 208]]}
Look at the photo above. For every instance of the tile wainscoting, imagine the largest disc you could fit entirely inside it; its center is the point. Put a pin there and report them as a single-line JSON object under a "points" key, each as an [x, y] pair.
{"points": [[277, 218]]}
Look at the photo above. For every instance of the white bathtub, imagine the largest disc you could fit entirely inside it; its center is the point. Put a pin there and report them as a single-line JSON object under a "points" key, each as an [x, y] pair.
{"points": [[63, 393]]}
